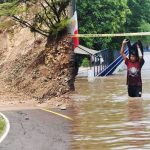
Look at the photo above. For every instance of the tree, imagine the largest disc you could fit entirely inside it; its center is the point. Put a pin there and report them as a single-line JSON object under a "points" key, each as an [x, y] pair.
{"points": [[139, 19], [105, 16], [48, 18], [140, 12]]}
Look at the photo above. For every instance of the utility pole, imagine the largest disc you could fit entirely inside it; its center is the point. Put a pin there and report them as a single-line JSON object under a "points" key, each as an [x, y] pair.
{"points": [[73, 61], [71, 10], [72, 7]]}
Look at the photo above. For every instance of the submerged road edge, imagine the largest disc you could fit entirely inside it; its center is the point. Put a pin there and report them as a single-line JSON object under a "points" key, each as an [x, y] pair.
{"points": [[58, 114], [7, 128]]}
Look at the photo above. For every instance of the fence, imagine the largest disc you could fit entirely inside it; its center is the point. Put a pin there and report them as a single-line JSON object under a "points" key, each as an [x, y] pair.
{"points": [[102, 60]]}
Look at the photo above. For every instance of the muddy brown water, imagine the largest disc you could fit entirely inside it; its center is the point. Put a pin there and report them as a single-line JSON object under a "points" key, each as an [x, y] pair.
{"points": [[108, 119]]}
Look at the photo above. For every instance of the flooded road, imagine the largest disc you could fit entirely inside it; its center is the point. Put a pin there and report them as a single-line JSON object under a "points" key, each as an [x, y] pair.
{"points": [[108, 119]]}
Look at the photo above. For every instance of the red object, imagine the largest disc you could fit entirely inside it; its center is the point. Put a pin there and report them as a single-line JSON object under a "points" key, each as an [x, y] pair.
{"points": [[76, 39], [74, 29], [134, 72]]}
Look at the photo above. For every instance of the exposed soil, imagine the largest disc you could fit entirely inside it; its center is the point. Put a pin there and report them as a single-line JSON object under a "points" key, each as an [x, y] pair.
{"points": [[10, 99], [33, 75]]}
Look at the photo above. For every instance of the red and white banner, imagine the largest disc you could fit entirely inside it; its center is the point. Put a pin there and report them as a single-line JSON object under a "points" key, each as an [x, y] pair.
{"points": [[74, 29]]}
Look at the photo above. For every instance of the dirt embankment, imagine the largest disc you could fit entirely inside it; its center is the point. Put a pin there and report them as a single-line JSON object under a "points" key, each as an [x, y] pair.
{"points": [[35, 69]]}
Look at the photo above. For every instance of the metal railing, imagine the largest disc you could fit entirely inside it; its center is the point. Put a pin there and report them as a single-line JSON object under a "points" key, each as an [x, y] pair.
{"points": [[102, 60]]}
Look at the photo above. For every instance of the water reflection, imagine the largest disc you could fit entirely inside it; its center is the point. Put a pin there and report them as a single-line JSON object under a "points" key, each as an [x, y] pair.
{"points": [[108, 119], [137, 136]]}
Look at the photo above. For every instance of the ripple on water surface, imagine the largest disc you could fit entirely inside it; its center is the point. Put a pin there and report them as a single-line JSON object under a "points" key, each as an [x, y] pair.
{"points": [[108, 119]]}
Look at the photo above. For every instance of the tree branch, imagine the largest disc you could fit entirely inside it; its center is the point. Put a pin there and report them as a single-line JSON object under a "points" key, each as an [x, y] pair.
{"points": [[54, 9], [30, 26], [45, 10]]}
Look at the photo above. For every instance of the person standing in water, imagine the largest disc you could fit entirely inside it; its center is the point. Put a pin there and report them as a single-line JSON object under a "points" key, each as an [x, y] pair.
{"points": [[134, 64]]}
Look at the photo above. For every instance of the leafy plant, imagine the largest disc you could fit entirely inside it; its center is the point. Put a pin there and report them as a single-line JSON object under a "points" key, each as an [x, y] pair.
{"points": [[98, 17], [2, 125], [112, 16], [47, 17], [85, 62]]}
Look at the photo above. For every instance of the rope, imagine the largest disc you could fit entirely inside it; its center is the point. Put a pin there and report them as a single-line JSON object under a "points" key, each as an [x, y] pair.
{"points": [[112, 35]]}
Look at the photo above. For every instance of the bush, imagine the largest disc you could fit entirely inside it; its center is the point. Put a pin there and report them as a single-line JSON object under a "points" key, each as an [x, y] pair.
{"points": [[7, 24], [2, 125], [85, 62]]}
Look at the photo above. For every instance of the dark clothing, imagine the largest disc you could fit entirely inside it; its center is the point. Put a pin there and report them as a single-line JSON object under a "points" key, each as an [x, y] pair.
{"points": [[133, 48], [134, 80], [134, 91], [134, 72]]}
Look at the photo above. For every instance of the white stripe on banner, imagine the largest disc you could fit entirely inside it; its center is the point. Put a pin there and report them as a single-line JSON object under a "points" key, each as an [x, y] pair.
{"points": [[112, 35]]}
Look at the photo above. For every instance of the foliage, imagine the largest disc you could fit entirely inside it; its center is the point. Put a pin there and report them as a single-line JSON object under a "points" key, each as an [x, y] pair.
{"points": [[139, 19], [140, 11], [10, 8], [7, 24], [105, 16], [112, 16], [2, 125], [47, 17], [85, 62]]}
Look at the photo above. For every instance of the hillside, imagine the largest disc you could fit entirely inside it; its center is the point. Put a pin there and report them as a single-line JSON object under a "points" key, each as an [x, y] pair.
{"points": [[32, 67]]}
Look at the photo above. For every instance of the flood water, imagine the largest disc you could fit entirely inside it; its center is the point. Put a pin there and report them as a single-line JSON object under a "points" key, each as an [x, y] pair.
{"points": [[107, 118]]}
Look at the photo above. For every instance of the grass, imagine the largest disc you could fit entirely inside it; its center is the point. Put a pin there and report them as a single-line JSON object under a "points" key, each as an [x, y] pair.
{"points": [[2, 125], [7, 24]]}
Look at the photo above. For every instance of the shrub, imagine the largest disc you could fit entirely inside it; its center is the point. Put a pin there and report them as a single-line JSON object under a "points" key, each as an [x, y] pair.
{"points": [[2, 125], [85, 62]]}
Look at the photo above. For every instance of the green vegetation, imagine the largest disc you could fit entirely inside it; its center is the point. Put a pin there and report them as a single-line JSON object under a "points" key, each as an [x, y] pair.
{"points": [[2, 125], [85, 62], [46, 17], [49, 18], [10, 8], [7, 24], [112, 16], [139, 19]]}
